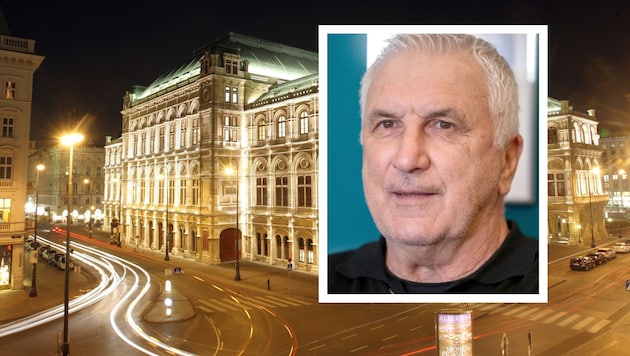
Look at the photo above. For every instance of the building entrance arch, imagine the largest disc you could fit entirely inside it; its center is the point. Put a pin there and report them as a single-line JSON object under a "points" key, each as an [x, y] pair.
{"points": [[227, 244]]}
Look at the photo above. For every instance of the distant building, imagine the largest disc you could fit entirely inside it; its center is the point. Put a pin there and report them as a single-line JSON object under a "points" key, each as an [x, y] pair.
{"points": [[576, 199], [18, 63], [615, 170], [88, 184], [218, 157]]}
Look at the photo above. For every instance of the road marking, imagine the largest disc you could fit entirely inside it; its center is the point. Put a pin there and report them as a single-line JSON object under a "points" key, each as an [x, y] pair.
{"points": [[583, 323], [349, 336], [516, 310], [488, 306], [569, 320], [303, 302], [285, 301], [359, 348], [541, 315], [389, 338], [555, 317], [317, 347], [268, 303], [597, 327], [528, 312], [217, 305]]}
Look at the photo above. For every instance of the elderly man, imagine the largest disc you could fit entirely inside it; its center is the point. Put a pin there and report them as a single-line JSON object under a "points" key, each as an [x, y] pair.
{"points": [[440, 149]]}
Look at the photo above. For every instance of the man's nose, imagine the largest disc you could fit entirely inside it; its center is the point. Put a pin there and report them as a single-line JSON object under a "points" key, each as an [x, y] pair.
{"points": [[412, 153]]}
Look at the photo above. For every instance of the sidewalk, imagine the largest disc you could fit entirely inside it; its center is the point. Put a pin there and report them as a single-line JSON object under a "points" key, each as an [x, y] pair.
{"points": [[50, 282]]}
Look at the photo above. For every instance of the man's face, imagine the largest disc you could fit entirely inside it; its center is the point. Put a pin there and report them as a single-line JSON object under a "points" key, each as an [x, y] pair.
{"points": [[430, 169]]}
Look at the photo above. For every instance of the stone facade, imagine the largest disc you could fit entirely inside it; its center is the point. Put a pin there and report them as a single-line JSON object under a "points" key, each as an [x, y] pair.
{"points": [[219, 151]]}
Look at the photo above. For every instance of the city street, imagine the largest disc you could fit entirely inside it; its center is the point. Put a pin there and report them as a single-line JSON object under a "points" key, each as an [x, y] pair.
{"points": [[275, 312]]}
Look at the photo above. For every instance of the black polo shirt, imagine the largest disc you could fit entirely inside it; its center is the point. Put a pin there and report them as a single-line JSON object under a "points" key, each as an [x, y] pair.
{"points": [[512, 269]]}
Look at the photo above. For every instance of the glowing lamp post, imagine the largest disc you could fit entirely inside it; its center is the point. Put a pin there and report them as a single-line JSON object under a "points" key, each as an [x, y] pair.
{"points": [[33, 292], [68, 140]]}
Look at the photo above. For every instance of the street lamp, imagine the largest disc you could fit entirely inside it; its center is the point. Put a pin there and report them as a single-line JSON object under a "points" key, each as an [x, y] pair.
{"points": [[590, 203], [33, 292], [237, 275], [68, 140]]}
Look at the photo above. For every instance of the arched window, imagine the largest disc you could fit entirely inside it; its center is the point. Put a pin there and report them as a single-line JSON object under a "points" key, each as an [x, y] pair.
{"points": [[262, 126], [301, 249], [303, 122], [282, 126]]}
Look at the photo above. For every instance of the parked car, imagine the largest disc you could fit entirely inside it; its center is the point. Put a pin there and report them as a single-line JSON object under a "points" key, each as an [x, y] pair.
{"points": [[621, 247], [581, 263], [609, 252], [598, 257], [49, 255], [60, 261]]}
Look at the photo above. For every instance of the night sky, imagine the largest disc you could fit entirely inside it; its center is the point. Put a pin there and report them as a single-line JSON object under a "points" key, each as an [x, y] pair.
{"points": [[94, 52]]}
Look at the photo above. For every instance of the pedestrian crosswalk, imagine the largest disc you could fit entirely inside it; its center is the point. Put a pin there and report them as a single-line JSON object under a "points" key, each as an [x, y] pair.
{"points": [[267, 301], [545, 314]]}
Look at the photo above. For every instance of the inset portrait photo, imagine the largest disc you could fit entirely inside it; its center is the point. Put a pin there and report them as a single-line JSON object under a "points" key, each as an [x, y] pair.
{"points": [[432, 164]]}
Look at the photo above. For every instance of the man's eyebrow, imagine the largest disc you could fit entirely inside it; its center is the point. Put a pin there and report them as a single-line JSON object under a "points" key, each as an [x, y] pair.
{"points": [[445, 112]]}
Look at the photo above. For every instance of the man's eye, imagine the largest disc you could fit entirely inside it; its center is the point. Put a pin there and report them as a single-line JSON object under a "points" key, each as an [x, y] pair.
{"points": [[444, 125], [386, 124]]}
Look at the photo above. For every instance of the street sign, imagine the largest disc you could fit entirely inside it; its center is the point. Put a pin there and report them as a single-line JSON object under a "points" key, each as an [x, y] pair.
{"points": [[177, 270]]}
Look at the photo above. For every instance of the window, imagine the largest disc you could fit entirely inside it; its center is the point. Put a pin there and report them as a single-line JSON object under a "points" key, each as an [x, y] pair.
{"points": [[195, 131], [261, 191], [282, 191], [262, 125], [9, 89], [282, 127], [143, 188], [171, 136], [230, 129], [143, 143], [161, 139], [195, 191], [304, 122], [98, 171], [7, 127], [151, 141], [160, 191], [304, 191], [182, 133], [6, 167], [555, 185], [231, 66], [171, 192], [182, 191], [231, 95], [5, 209]]}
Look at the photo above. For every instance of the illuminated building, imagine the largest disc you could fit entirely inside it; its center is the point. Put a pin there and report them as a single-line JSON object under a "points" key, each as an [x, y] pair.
{"points": [[18, 63], [241, 104], [576, 199], [615, 170], [88, 182]]}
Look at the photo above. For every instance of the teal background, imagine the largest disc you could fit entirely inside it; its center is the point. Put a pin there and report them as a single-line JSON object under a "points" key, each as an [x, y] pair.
{"points": [[349, 222]]}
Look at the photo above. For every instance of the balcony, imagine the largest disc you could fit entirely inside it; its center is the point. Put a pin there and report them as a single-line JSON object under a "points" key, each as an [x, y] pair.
{"points": [[17, 44]]}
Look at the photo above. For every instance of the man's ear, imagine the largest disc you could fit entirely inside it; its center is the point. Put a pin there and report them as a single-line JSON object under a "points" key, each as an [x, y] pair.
{"points": [[511, 154]]}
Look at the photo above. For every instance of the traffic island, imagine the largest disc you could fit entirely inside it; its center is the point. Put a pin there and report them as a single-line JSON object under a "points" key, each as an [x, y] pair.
{"points": [[170, 306]]}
